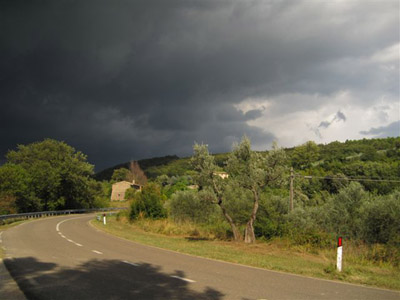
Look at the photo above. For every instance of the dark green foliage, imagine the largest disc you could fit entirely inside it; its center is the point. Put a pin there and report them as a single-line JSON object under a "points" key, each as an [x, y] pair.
{"points": [[304, 156], [148, 203], [238, 202], [174, 184], [346, 210], [381, 220], [271, 221], [120, 174], [49, 175], [15, 192], [191, 206]]}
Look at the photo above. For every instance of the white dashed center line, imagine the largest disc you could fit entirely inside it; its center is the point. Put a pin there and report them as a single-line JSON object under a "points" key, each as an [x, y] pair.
{"points": [[130, 263], [184, 279], [97, 252], [63, 236]]}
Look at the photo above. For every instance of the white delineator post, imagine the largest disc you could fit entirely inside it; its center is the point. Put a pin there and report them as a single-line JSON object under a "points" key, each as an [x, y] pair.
{"points": [[339, 255], [104, 219]]}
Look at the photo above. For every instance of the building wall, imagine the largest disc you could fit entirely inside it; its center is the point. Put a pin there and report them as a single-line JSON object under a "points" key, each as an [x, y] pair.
{"points": [[119, 189]]}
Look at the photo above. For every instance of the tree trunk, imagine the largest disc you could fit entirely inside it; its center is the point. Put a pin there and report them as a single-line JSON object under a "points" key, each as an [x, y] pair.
{"points": [[235, 231], [249, 236], [236, 234]]}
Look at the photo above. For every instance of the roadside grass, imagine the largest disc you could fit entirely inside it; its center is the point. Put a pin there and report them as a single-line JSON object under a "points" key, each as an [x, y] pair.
{"points": [[125, 203], [278, 254]]}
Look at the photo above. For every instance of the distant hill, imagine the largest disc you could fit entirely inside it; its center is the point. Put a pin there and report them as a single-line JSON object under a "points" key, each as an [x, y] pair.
{"points": [[368, 158], [145, 164]]}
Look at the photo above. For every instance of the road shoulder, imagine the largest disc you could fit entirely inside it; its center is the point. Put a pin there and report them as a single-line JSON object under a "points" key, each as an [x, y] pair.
{"points": [[8, 287]]}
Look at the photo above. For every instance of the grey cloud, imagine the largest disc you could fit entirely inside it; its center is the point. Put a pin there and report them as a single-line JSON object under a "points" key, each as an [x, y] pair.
{"points": [[324, 124], [391, 130], [339, 116], [253, 114]]}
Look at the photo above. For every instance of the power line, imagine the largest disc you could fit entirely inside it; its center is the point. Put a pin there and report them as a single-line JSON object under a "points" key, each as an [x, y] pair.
{"points": [[348, 178]]}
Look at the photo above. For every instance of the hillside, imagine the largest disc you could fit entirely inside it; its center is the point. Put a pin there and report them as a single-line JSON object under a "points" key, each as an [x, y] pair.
{"points": [[368, 158], [145, 164]]}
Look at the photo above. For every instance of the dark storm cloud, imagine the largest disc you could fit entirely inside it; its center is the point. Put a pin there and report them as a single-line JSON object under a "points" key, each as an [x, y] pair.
{"points": [[125, 80], [391, 130]]}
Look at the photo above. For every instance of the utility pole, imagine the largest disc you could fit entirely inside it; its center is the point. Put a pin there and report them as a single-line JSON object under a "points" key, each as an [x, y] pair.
{"points": [[291, 190]]}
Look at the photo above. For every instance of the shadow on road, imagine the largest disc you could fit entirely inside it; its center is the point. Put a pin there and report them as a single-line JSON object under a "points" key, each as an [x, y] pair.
{"points": [[101, 279]]}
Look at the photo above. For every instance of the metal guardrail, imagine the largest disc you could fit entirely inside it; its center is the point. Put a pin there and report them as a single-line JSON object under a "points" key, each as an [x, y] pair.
{"points": [[57, 212]]}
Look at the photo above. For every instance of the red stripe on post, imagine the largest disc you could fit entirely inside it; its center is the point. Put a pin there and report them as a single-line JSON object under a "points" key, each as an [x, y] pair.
{"points": [[339, 241]]}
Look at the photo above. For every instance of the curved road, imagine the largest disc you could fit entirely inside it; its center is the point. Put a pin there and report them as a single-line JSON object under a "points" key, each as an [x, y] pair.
{"points": [[66, 258]]}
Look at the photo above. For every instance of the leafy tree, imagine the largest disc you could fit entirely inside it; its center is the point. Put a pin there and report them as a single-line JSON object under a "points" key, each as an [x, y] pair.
{"points": [[7, 204], [345, 209], [59, 175], [381, 219], [304, 155], [248, 170], [237, 202], [15, 192], [120, 174], [253, 172], [205, 165]]}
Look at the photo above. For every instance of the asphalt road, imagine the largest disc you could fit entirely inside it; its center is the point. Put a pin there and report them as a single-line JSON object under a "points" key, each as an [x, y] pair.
{"points": [[66, 258]]}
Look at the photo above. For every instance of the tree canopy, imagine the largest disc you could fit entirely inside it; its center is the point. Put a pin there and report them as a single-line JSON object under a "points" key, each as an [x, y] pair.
{"points": [[47, 175], [247, 170]]}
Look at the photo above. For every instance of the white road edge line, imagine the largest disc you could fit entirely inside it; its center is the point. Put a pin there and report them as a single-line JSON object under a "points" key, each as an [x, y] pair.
{"points": [[0, 237], [98, 252], [184, 279], [130, 263]]}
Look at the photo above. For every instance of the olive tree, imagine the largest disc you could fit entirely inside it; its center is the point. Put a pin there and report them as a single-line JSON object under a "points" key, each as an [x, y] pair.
{"points": [[249, 170], [253, 171], [207, 177]]}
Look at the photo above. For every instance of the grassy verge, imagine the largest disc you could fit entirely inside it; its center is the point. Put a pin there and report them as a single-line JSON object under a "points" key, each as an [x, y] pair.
{"points": [[275, 255], [119, 203]]}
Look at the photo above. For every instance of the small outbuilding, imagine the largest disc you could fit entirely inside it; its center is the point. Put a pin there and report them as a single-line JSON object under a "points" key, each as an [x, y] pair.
{"points": [[119, 189]]}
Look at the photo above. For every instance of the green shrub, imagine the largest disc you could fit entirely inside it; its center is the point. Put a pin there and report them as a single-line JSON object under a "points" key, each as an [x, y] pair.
{"points": [[271, 219], [148, 203], [191, 206], [381, 220]]}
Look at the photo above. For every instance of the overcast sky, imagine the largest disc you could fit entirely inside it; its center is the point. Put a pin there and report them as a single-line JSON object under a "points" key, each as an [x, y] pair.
{"points": [[123, 80]]}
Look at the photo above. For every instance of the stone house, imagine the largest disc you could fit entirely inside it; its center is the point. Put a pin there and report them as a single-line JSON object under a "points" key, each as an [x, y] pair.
{"points": [[119, 189]]}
